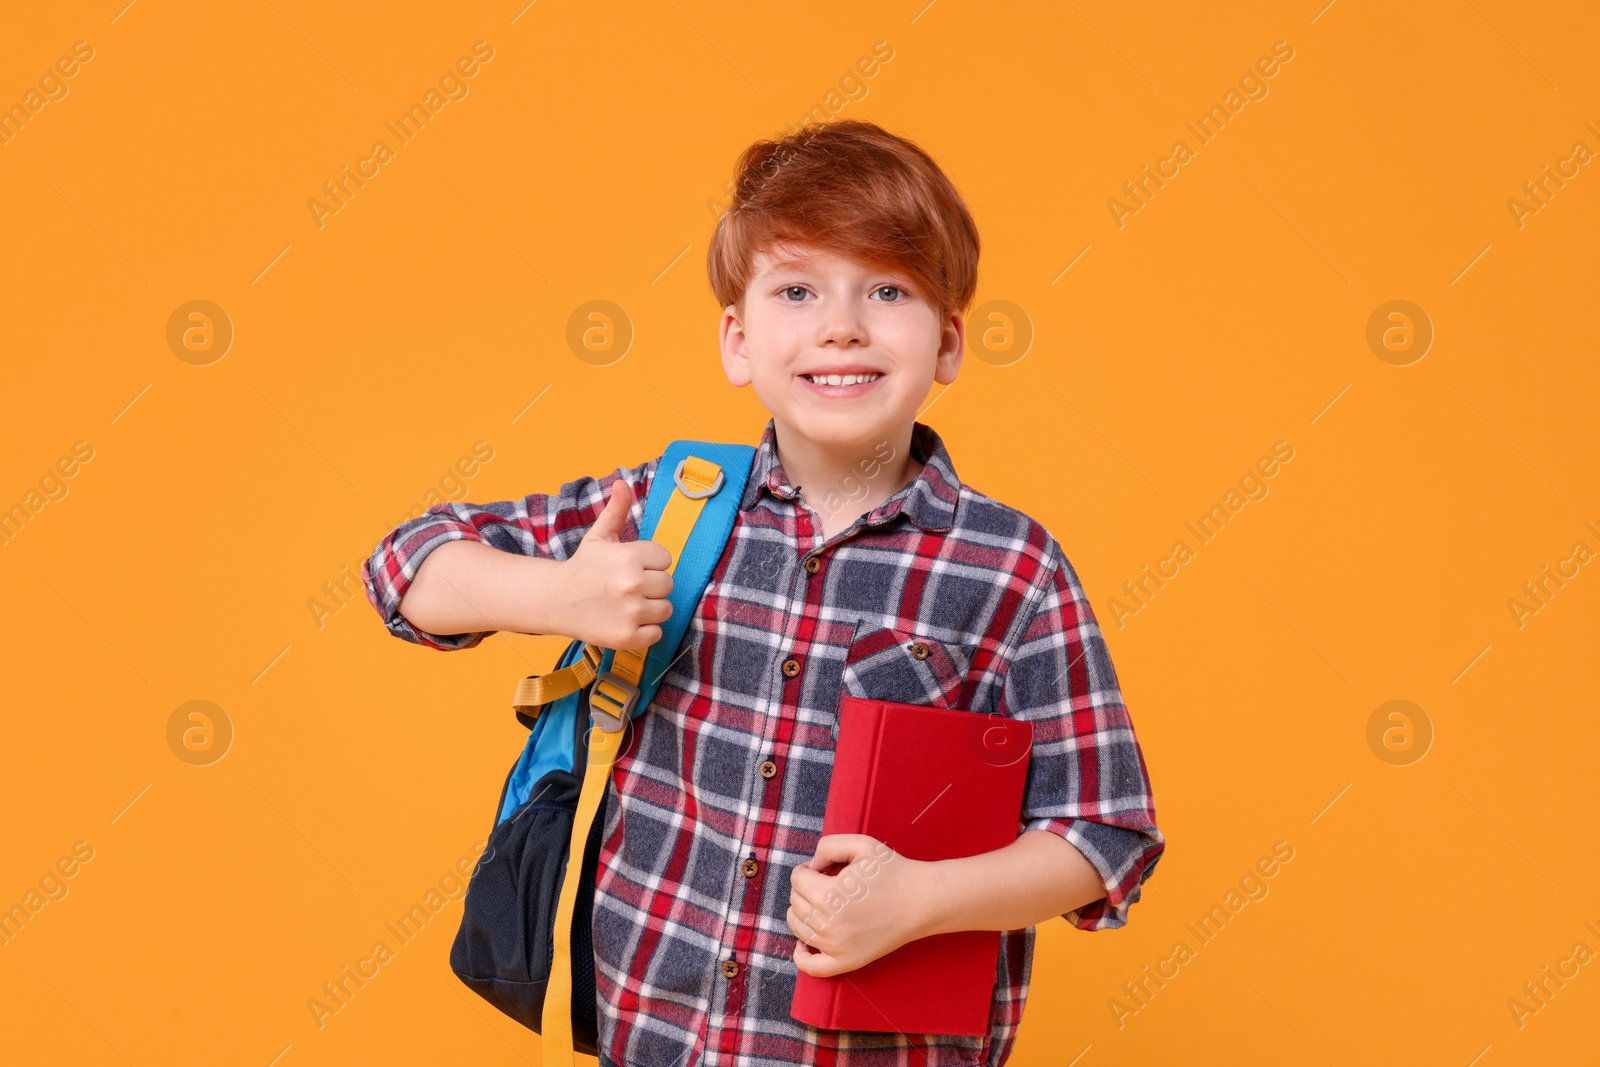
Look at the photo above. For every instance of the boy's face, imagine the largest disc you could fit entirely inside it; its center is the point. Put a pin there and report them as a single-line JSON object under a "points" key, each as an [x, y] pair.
{"points": [[810, 311]]}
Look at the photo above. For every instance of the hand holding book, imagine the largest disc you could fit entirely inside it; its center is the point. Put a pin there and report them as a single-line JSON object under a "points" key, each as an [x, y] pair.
{"points": [[856, 899]]}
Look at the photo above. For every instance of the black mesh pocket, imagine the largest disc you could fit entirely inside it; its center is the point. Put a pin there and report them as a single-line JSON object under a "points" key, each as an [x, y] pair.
{"points": [[504, 946]]}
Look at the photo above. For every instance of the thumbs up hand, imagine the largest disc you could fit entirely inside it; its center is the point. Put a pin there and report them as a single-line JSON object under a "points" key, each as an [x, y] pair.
{"points": [[614, 591]]}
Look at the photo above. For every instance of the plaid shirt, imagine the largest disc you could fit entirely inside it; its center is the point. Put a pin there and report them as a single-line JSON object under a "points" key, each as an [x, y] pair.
{"points": [[731, 762]]}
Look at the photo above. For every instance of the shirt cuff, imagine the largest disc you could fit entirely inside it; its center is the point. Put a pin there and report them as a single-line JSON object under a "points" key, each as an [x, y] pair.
{"points": [[386, 601], [1123, 858]]}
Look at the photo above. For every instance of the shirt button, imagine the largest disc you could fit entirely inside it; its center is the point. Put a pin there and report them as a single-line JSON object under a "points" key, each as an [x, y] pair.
{"points": [[730, 968], [750, 868], [813, 565], [791, 667], [768, 768], [919, 650]]}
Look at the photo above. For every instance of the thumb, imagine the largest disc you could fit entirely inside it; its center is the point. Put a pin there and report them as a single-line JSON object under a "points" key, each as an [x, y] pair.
{"points": [[608, 525]]}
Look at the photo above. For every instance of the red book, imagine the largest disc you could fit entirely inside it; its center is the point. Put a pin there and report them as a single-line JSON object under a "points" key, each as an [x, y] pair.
{"points": [[933, 784]]}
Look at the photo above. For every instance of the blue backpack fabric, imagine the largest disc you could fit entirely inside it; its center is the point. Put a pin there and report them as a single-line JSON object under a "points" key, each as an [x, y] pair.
{"points": [[503, 949]]}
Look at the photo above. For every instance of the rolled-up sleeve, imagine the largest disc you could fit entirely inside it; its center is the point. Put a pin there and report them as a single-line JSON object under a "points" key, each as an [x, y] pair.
{"points": [[549, 525], [1087, 780]]}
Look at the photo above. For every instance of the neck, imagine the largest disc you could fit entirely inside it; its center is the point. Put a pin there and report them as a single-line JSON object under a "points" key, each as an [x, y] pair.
{"points": [[831, 475]]}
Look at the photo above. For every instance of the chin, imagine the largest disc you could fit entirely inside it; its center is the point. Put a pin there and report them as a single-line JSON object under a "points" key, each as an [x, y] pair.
{"points": [[846, 428]]}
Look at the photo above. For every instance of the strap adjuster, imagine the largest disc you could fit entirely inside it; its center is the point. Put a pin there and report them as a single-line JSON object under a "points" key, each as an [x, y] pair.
{"points": [[607, 711], [695, 494]]}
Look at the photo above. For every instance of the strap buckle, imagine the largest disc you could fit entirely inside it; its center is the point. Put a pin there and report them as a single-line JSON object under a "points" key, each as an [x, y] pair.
{"points": [[695, 494], [612, 718]]}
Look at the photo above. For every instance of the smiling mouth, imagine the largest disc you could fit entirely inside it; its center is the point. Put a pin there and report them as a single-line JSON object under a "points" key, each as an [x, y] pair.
{"points": [[841, 379]]}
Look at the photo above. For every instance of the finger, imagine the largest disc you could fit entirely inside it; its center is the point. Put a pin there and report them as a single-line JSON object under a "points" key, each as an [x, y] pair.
{"points": [[811, 886], [816, 886], [653, 555], [840, 848], [643, 638], [805, 905], [803, 957], [654, 611], [656, 584], [802, 929], [818, 919], [816, 964]]}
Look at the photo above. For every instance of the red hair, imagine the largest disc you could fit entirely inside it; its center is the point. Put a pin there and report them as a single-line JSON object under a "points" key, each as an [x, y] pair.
{"points": [[854, 189]]}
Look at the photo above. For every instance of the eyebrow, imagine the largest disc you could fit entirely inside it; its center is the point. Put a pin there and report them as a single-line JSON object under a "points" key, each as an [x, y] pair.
{"points": [[809, 262], [792, 264]]}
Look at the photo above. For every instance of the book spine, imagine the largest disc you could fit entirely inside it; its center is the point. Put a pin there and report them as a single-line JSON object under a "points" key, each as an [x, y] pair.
{"points": [[849, 789], [855, 756], [880, 730]]}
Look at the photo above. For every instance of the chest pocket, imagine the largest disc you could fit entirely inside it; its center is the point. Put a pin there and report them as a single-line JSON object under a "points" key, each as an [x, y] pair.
{"points": [[891, 664]]}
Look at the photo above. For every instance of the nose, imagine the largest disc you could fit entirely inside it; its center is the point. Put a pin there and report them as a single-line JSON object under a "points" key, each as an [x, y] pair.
{"points": [[841, 326]]}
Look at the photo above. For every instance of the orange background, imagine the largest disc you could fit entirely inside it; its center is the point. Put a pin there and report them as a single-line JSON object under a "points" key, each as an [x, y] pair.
{"points": [[370, 354]]}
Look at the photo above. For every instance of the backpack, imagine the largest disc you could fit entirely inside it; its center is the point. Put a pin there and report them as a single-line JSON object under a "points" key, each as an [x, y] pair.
{"points": [[525, 943]]}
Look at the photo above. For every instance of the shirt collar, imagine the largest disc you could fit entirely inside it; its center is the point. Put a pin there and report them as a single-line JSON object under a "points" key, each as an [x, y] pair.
{"points": [[929, 500]]}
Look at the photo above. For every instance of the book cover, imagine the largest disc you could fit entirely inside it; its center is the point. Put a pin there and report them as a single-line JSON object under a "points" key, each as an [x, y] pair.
{"points": [[933, 784]]}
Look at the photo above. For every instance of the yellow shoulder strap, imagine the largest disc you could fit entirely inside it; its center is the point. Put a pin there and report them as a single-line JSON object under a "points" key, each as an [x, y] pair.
{"points": [[611, 702]]}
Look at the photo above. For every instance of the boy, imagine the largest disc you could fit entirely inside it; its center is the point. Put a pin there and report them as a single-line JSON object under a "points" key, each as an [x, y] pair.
{"points": [[844, 265]]}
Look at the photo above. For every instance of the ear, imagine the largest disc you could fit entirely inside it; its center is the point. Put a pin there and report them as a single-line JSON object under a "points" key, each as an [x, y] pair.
{"points": [[735, 354], [952, 346]]}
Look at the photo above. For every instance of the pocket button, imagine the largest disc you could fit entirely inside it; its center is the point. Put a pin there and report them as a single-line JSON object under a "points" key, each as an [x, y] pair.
{"points": [[919, 650]]}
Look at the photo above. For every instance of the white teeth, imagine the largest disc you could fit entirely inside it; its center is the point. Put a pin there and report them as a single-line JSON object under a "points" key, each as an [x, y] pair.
{"points": [[841, 379]]}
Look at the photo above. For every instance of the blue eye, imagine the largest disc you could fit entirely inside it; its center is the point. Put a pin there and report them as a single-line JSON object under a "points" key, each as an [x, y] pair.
{"points": [[791, 289], [891, 288]]}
